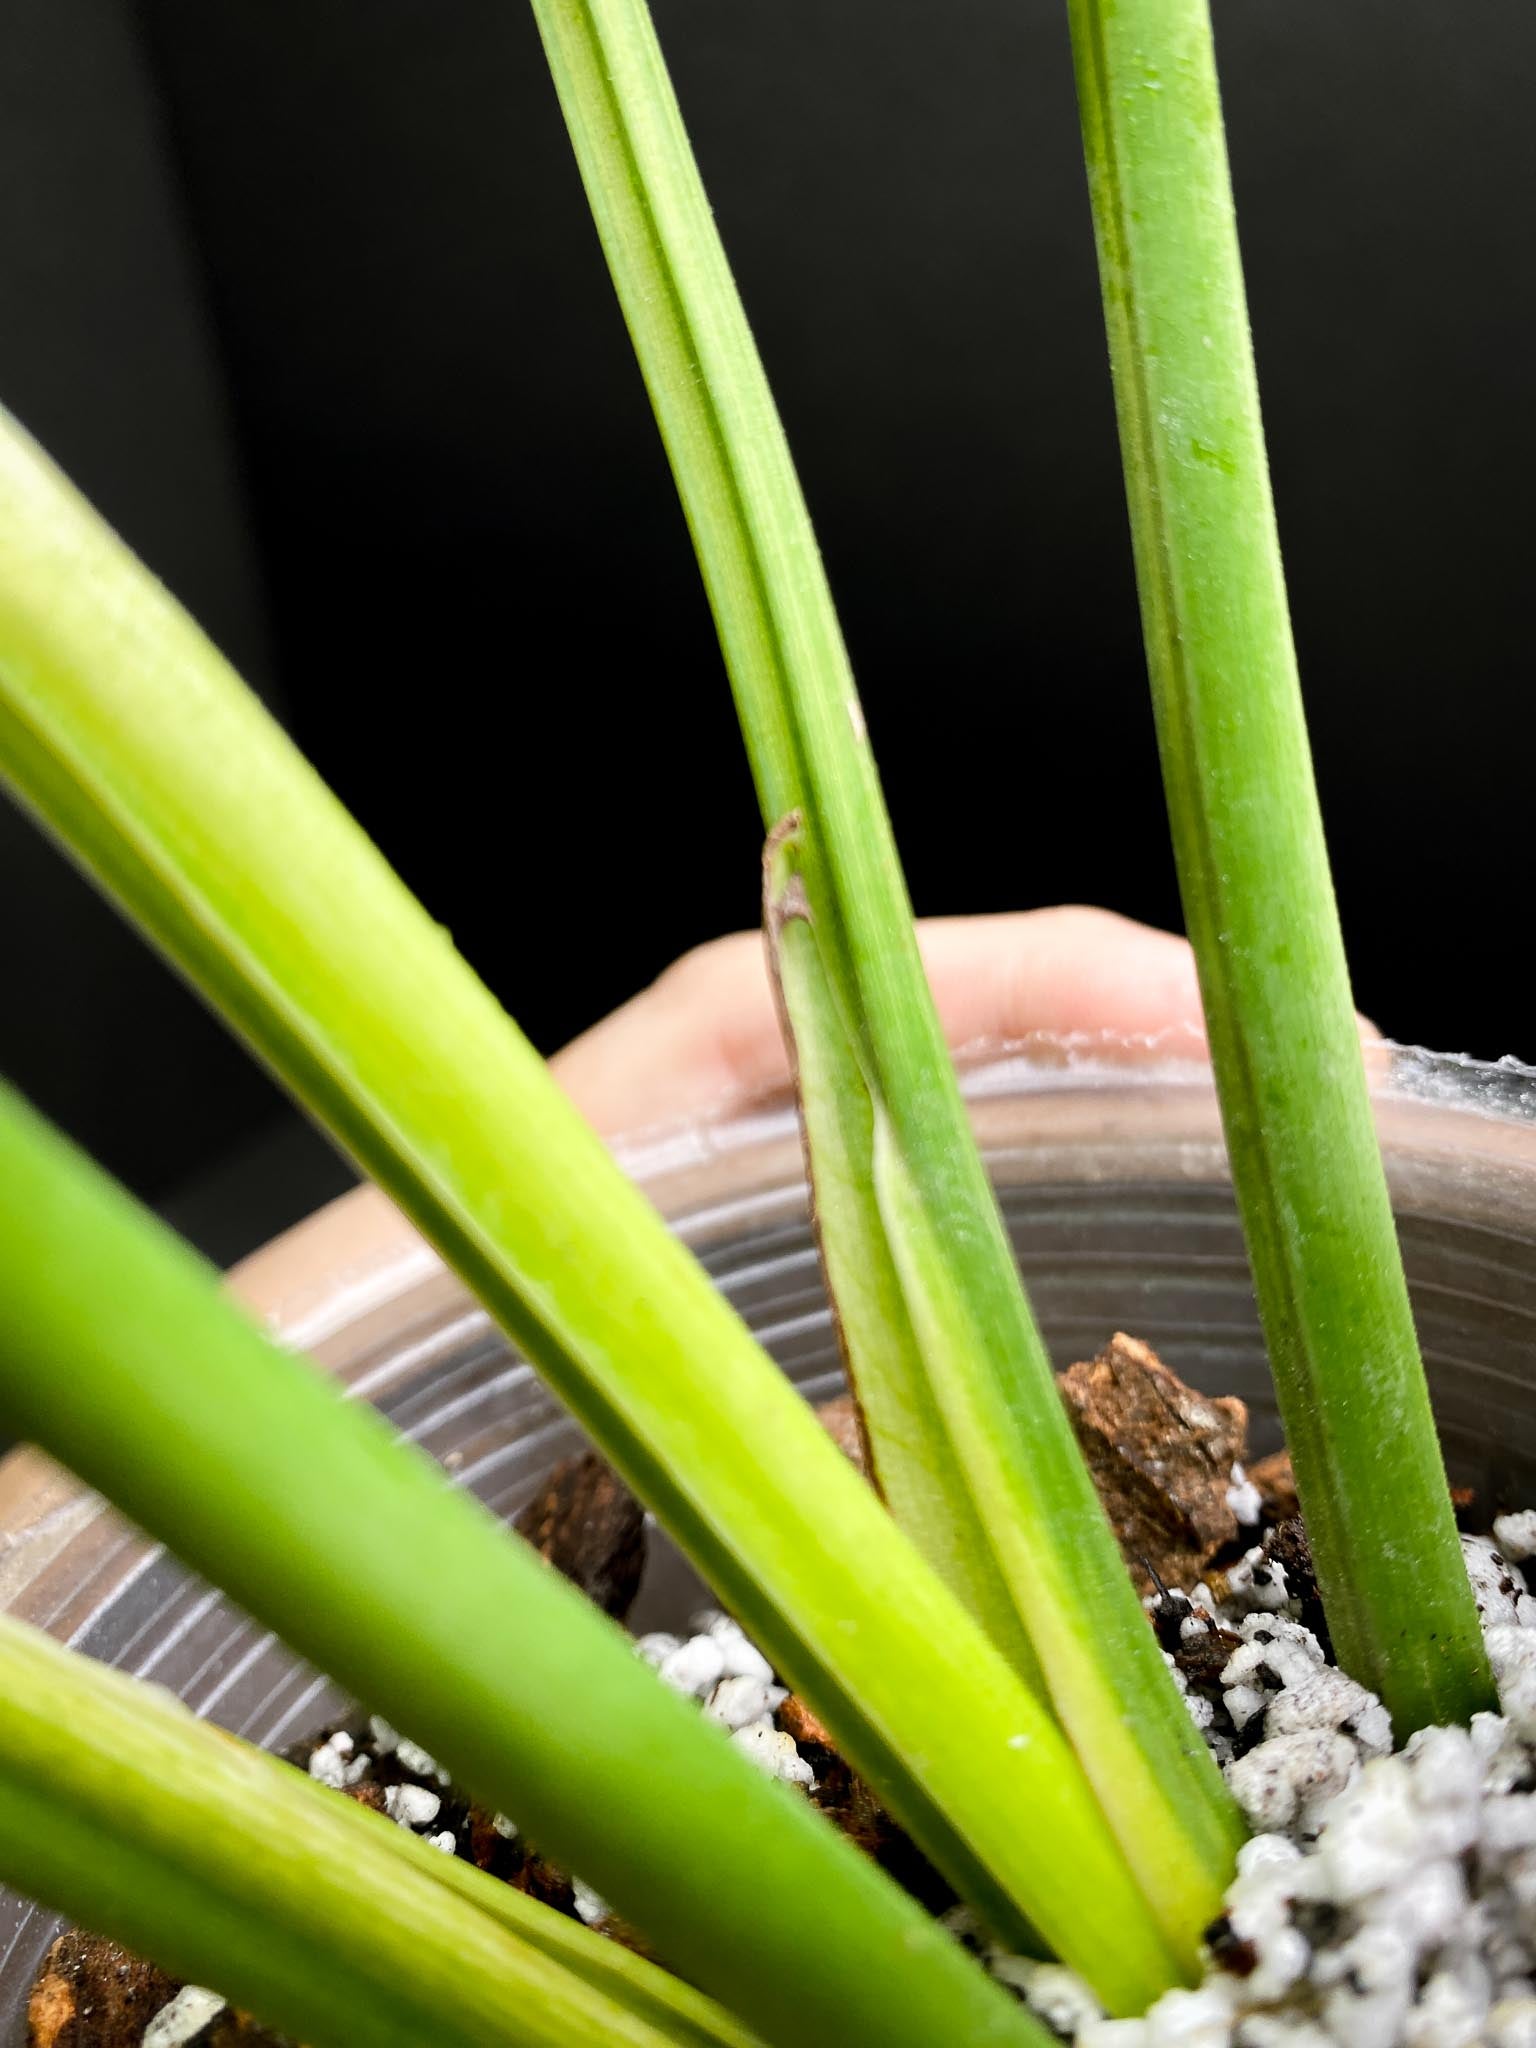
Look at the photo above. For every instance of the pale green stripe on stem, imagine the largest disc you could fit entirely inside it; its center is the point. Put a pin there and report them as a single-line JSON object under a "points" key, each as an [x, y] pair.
{"points": [[911, 1451]]}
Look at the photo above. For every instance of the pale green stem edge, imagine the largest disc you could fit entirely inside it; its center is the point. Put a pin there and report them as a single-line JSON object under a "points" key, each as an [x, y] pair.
{"points": [[912, 1455]]}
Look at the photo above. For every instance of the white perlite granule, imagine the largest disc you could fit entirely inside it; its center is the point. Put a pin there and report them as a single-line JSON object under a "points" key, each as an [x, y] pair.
{"points": [[1385, 1900], [413, 1758], [590, 1908], [775, 1752], [743, 1659], [332, 1762], [184, 2018], [715, 1650], [739, 1701], [1244, 1499], [413, 1806]]}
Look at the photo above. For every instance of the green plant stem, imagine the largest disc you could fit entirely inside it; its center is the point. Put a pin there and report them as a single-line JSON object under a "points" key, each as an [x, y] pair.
{"points": [[1054, 1565], [119, 1354], [127, 733], [912, 1456], [685, 2016], [234, 1870], [1253, 867]]}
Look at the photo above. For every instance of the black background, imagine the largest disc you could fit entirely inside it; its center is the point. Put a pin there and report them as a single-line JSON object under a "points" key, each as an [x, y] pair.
{"points": [[304, 294]]}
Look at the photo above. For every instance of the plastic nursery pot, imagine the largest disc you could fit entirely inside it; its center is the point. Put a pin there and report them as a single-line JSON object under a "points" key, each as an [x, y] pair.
{"points": [[1112, 1175]]}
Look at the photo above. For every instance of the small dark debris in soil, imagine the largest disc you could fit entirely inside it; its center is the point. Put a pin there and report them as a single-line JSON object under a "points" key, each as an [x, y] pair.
{"points": [[1287, 1545], [585, 1521], [1276, 1484], [1203, 1657], [620, 1931], [546, 1882], [1229, 1949], [846, 1800]]}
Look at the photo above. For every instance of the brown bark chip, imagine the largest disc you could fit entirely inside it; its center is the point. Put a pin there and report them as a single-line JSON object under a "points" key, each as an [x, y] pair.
{"points": [[93, 1994], [1160, 1453], [489, 1848], [1202, 1658], [1161, 1456], [546, 1882], [585, 1521], [1276, 1484], [92, 1990], [804, 1728], [369, 1793]]}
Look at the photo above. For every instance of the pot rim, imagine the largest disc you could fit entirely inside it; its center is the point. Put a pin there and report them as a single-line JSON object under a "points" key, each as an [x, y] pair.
{"points": [[355, 1274]]}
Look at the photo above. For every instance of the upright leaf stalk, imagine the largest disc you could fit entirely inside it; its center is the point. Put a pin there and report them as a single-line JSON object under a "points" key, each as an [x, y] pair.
{"points": [[1253, 869]]}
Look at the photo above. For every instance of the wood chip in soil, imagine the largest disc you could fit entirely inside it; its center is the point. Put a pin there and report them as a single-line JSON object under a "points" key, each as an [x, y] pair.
{"points": [[93, 1994], [1161, 1456], [585, 1521]]}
